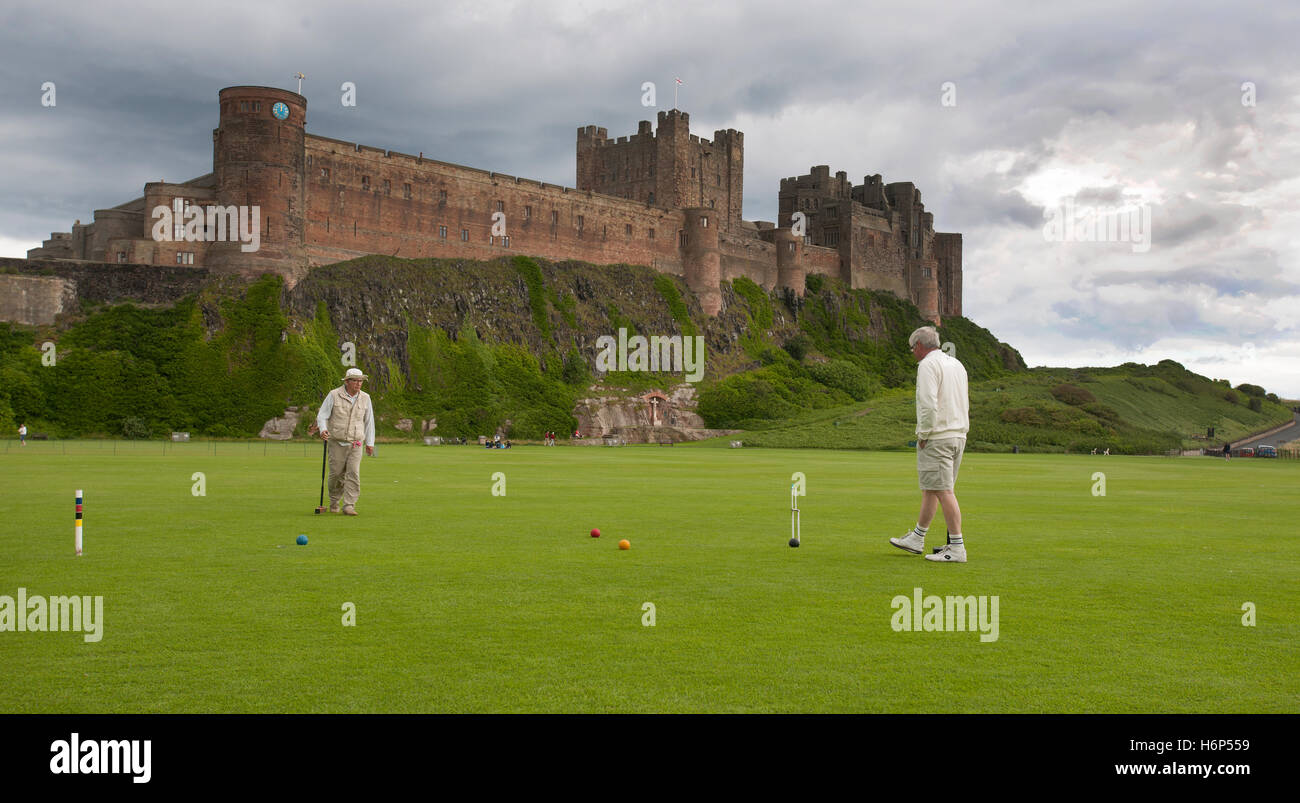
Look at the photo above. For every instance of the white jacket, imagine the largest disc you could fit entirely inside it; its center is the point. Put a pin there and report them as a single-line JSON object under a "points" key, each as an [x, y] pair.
{"points": [[942, 398]]}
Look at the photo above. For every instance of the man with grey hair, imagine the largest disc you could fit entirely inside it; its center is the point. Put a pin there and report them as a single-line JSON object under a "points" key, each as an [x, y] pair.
{"points": [[346, 420], [942, 421]]}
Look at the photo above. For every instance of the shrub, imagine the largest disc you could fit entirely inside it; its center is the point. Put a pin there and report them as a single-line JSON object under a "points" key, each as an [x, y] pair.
{"points": [[813, 283], [1073, 395], [845, 376], [135, 428], [796, 347]]}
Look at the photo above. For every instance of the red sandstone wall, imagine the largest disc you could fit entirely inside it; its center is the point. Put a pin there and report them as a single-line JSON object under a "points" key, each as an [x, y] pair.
{"points": [[345, 219]]}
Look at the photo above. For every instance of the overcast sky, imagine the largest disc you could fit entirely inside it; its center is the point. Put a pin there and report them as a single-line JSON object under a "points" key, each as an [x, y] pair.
{"points": [[1001, 114]]}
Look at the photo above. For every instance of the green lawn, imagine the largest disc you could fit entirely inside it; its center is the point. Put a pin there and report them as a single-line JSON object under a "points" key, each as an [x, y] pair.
{"points": [[465, 601]]}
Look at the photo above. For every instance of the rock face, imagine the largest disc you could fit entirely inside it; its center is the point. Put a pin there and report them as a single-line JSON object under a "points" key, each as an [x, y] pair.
{"points": [[281, 429], [650, 417], [405, 424]]}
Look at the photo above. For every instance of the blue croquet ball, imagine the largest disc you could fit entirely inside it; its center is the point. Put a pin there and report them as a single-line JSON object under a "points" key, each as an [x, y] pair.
{"points": [[794, 542], [302, 540]]}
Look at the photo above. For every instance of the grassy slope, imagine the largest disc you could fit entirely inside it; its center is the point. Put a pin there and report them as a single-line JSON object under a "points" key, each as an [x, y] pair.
{"points": [[1153, 412], [1129, 602]]}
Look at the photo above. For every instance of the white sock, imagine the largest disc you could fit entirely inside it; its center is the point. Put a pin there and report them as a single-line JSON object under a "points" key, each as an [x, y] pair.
{"points": [[921, 531], [954, 539]]}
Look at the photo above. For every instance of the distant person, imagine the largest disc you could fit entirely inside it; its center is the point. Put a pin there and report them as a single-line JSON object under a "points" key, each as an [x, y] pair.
{"points": [[346, 420], [942, 421], [1107, 452], [1227, 451], [22, 434]]}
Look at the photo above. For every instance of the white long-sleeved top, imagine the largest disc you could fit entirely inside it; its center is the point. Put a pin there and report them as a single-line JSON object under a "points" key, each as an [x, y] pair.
{"points": [[327, 407], [942, 397]]}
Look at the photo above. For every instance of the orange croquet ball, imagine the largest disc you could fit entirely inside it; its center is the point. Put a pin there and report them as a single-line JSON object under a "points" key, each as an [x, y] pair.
{"points": [[625, 544]]}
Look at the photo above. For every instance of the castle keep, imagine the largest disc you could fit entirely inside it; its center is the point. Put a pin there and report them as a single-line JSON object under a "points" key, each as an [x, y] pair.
{"points": [[664, 198]]}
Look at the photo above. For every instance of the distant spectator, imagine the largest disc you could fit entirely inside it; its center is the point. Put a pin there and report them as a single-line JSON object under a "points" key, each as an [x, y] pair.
{"points": [[1227, 451], [22, 434]]}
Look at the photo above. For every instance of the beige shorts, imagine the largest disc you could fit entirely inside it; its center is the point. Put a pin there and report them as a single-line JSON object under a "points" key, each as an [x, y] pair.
{"points": [[937, 464]]}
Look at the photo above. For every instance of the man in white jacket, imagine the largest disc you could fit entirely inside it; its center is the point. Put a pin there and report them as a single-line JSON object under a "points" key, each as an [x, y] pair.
{"points": [[346, 421], [942, 421]]}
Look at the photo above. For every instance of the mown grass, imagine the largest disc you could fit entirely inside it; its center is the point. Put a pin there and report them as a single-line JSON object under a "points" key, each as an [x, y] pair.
{"points": [[466, 601]]}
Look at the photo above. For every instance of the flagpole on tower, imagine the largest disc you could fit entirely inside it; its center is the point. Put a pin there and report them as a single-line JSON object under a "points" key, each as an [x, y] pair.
{"points": [[676, 83], [299, 76]]}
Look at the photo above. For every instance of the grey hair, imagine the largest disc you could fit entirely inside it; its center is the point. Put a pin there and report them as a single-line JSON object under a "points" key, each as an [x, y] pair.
{"points": [[927, 336]]}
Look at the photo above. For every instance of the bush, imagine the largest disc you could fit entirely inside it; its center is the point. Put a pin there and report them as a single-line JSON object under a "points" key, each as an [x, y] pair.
{"points": [[1256, 405], [813, 283], [135, 428], [796, 347], [1073, 395], [845, 376], [1251, 390], [1231, 398]]}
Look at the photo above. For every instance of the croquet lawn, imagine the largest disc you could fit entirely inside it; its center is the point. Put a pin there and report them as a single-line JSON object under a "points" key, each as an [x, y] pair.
{"points": [[466, 600]]}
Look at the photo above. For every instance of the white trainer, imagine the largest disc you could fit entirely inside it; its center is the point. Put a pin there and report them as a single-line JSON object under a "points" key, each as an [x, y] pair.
{"points": [[910, 543], [949, 554]]}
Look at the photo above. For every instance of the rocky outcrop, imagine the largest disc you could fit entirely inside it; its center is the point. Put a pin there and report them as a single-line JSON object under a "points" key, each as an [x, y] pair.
{"points": [[649, 417], [281, 429]]}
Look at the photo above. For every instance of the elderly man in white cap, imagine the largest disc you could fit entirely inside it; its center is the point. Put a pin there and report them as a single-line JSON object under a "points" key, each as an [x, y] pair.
{"points": [[346, 420]]}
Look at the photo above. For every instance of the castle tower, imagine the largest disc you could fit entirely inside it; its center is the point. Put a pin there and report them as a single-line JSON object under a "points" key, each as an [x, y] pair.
{"points": [[790, 270], [927, 296], [701, 258], [257, 160]]}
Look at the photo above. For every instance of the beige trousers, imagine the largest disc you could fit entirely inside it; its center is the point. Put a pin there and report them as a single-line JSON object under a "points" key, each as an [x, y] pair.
{"points": [[345, 472]]}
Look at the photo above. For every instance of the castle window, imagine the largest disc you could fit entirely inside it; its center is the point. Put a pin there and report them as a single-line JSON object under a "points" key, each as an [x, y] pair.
{"points": [[505, 241], [681, 239], [528, 213], [555, 218], [388, 187], [710, 203], [832, 238], [406, 190], [604, 232], [442, 196], [581, 225], [464, 235], [121, 256], [652, 171], [652, 234], [791, 247], [257, 105], [442, 232], [501, 206], [651, 199], [925, 272], [309, 161], [243, 105], [719, 179], [627, 230], [184, 258], [704, 221], [325, 174], [692, 172], [365, 182]]}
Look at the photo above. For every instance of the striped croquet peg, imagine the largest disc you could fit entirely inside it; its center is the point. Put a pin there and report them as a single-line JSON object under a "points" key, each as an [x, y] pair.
{"points": [[78, 541]]}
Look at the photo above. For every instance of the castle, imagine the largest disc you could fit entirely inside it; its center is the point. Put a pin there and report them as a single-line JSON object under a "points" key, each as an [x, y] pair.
{"points": [[664, 198]]}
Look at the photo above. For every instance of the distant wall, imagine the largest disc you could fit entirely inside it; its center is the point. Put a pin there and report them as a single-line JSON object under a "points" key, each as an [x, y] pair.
{"points": [[34, 300], [33, 292]]}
